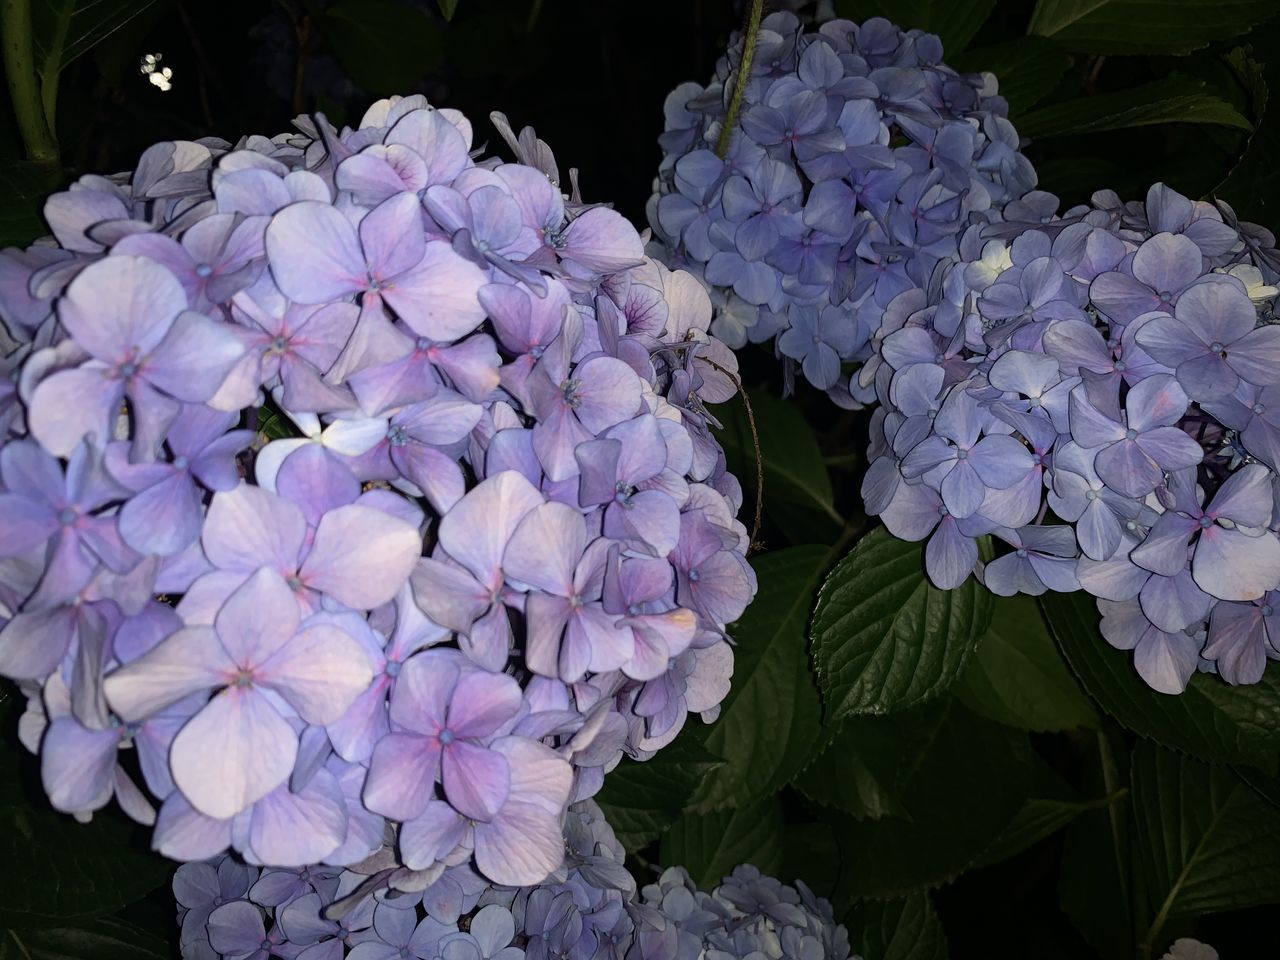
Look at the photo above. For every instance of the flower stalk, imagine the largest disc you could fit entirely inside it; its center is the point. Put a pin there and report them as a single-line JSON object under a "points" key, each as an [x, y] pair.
{"points": [[24, 88], [749, 36]]}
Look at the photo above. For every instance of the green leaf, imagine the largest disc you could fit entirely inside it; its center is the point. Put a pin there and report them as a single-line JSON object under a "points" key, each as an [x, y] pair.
{"points": [[797, 489], [710, 845], [960, 781], [904, 929], [1202, 838], [383, 46], [63, 30], [1028, 69], [884, 637], [24, 187], [1144, 26], [771, 720], [857, 773], [1094, 874], [1253, 185], [1170, 100], [448, 8], [810, 853], [57, 870], [955, 21], [105, 939], [1039, 819], [1211, 720], [1018, 677], [643, 799]]}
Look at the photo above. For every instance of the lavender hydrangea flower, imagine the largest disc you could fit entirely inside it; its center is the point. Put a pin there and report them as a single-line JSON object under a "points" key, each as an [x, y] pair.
{"points": [[366, 487], [1121, 356], [591, 909], [849, 173]]}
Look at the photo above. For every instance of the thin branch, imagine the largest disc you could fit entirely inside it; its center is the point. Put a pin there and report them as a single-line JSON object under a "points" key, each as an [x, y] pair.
{"points": [[755, 544]]}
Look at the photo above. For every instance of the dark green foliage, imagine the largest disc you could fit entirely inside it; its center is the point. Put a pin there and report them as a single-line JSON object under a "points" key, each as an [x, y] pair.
{"points": [[884, 637]]}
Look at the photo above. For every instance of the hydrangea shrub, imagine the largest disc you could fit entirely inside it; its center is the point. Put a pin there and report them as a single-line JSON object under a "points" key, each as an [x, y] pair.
{"points": [[495, 550], [848, 174]]}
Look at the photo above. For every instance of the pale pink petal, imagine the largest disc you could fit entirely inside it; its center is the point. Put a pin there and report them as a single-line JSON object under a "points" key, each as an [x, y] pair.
{"points": [[481, 703], [476, 780], [361, 556], [392, 236], [194, 358], [296, 829], [249, 527], [315, 254], [233, 752], [438, 297], [475, 532], [69, 404], [189, 661], [320, 672], [546, 547], [402, 771], [258, 619]]}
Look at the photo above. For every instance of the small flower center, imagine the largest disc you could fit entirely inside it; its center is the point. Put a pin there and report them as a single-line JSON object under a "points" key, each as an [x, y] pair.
{"points": [[1259, 409], [396, 436], [1218, 348], [1267, 610], [128, 369], [1021, 551], [962, 454], [569, 389], [633, 609], [1166, 296], [242, 679], [392, 668], [203, 270], [446, 736], [694, 575], [1118, 365], [279, 344], [180, 462], [1091, 494], [1131, 434], [1206, 522], [67, 516]]}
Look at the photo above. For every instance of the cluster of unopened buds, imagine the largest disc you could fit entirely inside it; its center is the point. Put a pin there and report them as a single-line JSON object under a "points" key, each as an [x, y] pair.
{"points": [[360, 487], [1100, 392]]}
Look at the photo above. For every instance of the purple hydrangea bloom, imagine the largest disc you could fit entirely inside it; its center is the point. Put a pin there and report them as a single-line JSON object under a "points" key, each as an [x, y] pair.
{"points": [[1121, 357], [591, 909], [852, 166], [366, 487]]}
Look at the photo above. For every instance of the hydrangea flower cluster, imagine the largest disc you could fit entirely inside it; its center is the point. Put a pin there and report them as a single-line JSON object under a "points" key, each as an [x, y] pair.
{"points": [[589, 910], [852, 168], [1100, 392], [498, 552]]}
